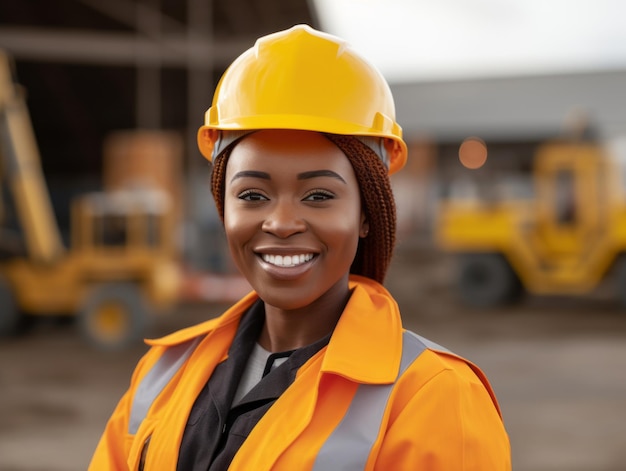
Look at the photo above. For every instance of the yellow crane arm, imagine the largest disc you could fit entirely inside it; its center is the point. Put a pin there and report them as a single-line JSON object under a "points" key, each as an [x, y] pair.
{"points": [[22, 170]]}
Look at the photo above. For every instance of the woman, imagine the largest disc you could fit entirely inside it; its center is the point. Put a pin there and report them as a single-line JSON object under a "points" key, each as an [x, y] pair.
{"points": [[312, 370]]}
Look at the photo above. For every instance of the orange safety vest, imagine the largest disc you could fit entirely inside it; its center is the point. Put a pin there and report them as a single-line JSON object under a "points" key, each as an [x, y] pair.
{"points": [[378, 397]]}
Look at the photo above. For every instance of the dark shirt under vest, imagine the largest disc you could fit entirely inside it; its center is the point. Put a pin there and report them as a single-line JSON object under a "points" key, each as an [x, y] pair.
{"points": [[214, 430]]}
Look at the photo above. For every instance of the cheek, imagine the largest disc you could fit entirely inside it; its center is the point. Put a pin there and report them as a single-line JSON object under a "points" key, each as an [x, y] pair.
{"points": [[238, 232], [344, 230], [237, 227]]}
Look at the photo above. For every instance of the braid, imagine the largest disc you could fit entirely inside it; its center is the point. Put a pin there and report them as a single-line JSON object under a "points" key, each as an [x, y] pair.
{"points": [[218, 181], [374, 251]]}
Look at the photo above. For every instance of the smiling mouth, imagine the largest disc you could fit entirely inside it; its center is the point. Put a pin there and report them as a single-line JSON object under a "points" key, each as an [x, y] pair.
{"points": [[287, 260]]}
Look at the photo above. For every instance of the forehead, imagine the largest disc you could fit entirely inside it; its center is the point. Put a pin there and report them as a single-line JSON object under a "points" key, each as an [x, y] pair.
{"points": [[285, 151]]}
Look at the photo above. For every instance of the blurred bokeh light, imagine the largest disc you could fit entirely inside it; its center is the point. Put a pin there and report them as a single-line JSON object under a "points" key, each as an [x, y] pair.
{"points": [[473, 153]]}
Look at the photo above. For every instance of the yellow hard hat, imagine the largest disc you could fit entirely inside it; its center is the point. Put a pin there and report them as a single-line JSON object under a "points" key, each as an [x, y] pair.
{"points": [[304, 79]]}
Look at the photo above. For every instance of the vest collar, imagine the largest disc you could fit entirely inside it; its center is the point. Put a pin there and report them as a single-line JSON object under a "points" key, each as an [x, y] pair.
{"points": [[232, 315], [365, 347]]}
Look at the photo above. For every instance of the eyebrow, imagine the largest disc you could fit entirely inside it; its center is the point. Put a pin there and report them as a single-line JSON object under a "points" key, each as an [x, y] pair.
{"points": [[252, 174], [300, 176], [320, 173]]}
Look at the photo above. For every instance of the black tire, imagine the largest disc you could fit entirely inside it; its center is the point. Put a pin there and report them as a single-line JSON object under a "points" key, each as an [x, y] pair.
{"points": [[113, 317], [9, 314], [487, 280]]}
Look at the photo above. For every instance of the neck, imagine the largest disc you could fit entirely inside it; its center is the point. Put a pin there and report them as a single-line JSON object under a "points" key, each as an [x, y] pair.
{"points": [[288, 330]]}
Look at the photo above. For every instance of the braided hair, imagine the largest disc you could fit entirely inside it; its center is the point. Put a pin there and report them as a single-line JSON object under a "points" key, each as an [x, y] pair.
{"points": [[374, 251]]}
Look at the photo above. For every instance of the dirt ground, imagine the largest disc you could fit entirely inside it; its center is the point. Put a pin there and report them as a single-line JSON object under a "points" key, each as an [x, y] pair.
{"points": [[558, 367]]}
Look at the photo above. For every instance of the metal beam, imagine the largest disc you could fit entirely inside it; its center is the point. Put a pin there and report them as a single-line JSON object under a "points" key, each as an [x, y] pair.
{"points": [[122, 49], [148, 82], [125, 12]]}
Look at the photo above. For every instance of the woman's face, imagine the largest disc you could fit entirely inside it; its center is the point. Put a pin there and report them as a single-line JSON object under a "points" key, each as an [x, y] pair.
{"points": [[293, 218]]}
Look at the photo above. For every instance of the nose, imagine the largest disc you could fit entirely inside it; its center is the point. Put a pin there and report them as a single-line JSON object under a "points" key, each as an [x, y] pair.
{"points": [[284, 219]]}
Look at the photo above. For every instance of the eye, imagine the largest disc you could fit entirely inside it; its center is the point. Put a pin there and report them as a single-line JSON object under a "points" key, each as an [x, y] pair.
{"points": [[251, 195], [318, 195]]}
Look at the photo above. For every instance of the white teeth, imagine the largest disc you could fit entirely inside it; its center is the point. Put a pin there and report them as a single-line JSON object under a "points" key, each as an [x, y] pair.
{"points": [[287, 260]]}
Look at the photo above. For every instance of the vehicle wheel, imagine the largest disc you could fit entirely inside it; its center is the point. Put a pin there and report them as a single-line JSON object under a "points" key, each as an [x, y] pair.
{"points": [[114, 316], [486, 280], [9, 314]]}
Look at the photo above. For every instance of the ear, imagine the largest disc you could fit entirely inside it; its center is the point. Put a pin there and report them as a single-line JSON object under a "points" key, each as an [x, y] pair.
{"points": [[365, 226]]}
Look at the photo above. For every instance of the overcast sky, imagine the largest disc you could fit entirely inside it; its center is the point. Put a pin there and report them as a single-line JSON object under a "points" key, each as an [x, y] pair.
{"points": [[448, 39]]}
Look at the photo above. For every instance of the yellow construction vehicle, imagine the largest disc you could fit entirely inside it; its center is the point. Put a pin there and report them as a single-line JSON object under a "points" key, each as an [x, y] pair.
{"points": [[120, 266], [565, 240]]}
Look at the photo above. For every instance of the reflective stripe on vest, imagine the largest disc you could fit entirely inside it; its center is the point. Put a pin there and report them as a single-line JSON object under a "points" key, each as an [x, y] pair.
{"points": [[350, 444], [347, 447], [156, 379]]}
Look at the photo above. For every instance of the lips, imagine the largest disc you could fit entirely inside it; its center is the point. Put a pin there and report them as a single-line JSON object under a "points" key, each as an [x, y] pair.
{"points": [[287, 261]]}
